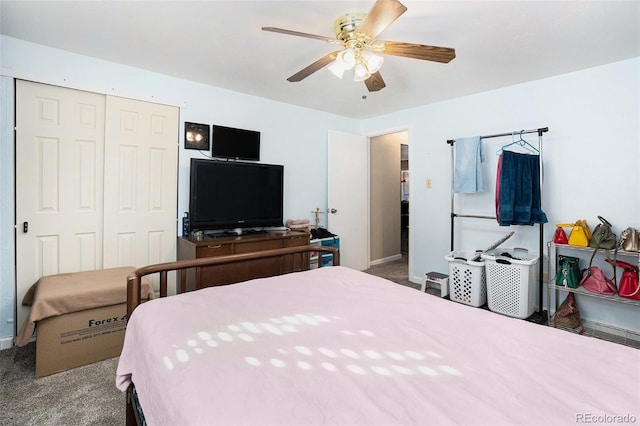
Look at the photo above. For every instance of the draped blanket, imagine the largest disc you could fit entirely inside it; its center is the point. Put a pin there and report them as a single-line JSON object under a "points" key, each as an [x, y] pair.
{"points": [[336, 346], [60, 294]]}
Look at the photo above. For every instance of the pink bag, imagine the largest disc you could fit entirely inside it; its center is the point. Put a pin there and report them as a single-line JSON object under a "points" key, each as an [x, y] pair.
{"points": [[629, 285], [593, 279]]}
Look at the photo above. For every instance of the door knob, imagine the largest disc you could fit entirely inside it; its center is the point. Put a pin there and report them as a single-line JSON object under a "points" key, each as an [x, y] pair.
{"points": [[332, 211]]}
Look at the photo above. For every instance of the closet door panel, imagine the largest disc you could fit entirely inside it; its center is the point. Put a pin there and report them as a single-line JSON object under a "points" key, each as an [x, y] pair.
{"points": [[126, 249], [87, 245], [141, 183], [59, 182]]}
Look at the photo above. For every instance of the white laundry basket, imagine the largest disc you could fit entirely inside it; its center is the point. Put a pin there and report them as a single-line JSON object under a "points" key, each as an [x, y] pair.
{"points": [[467, 282], [511, 281]]}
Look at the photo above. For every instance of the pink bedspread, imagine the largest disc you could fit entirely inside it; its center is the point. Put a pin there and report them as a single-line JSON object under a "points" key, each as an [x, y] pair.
{"points": [[338, 346]]}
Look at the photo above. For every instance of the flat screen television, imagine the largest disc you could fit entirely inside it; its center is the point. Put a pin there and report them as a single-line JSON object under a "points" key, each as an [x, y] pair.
{"points": [[238, 144], [226, 195]]}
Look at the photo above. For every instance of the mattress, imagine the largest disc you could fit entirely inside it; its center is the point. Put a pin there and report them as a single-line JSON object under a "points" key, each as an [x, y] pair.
{"points": [[339, 346]]}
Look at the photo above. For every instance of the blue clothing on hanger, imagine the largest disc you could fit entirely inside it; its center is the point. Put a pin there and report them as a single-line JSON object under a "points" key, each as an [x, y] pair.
{"points": [[467, 170], [520, 197]]}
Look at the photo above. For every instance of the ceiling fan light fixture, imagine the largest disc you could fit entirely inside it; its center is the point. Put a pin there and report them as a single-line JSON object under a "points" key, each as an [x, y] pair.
{"points": [[337, 68], [348, 58], [356, 33], [373, 62], [360, 72]]}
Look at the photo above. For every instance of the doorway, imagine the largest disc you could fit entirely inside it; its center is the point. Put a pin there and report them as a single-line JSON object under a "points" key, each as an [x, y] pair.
{"points": [[364, 198], [404, 201], [388, 198]]}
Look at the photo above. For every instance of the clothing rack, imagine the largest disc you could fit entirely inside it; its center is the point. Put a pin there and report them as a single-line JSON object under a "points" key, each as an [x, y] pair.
{"points": [[540, 131]]}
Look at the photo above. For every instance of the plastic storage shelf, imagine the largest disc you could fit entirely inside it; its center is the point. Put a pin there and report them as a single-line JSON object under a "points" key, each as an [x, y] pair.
{"points": [[511, 281], [327, 258], [467, 281]]}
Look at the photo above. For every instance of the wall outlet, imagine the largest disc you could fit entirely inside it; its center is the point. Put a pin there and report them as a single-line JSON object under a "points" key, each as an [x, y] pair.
{"points": [[428, 183], [545, 277]]}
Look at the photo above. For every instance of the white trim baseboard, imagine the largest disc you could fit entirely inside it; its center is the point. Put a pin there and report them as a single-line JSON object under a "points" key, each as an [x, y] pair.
{"points": [[6, 343], [385, 260]]}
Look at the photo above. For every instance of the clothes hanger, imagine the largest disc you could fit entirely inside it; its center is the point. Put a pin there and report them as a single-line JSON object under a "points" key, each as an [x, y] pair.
{"points": [[513, 142], [520, 142], [527, 145]]}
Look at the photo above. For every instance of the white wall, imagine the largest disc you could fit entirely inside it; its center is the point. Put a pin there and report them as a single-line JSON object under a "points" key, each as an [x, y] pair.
{"points": [[293, 136], [591, 153], [591, 156]]}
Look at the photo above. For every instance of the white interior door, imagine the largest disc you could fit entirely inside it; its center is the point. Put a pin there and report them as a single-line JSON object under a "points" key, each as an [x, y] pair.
{"points": [[141, 189], [96, 183], [348, 195], [59, 183]]}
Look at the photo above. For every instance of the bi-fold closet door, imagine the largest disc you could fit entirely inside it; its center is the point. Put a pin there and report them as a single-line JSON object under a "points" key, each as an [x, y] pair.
{"points": [[96, 183]]}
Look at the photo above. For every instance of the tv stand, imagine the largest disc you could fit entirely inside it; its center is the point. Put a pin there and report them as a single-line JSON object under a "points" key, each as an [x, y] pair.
{"points": [[255, 232], [240, 231], [221, 245]]}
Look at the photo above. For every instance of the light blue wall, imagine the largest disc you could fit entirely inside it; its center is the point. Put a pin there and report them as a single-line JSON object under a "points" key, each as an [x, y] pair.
{"points": [[591, 158], [7, 252], [591, 153], [293, 136]]}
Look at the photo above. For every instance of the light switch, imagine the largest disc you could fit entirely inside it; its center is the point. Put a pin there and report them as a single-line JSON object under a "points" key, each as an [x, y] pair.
{"points": [[428, 183]]}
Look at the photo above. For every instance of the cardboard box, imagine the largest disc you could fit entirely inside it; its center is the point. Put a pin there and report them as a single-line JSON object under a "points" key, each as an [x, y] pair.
{"points": [[79, 338]]}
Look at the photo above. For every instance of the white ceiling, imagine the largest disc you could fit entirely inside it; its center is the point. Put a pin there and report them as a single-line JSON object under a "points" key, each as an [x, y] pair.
{"points": [[220, 43]]}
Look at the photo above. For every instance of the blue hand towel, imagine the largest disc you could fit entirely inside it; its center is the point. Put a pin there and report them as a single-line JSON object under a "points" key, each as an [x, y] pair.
{"points": [[467, 175]]}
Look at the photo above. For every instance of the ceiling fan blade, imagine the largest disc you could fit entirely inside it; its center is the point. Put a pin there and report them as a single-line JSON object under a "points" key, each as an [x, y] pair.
{"points": [[319, 64], [381, 15], [299, 34], [418, 51], [375, 82]]}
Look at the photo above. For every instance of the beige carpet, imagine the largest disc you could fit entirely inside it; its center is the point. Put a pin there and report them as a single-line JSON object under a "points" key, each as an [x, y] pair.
{"points": [[82, 396], [398, 272]]}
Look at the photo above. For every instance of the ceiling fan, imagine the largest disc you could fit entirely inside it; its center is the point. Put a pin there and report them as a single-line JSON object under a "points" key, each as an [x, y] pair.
{"points": [[356, 33]]}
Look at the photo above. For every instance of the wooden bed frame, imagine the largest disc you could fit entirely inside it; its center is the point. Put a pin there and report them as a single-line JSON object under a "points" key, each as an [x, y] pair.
{"points": [[134, 280]]}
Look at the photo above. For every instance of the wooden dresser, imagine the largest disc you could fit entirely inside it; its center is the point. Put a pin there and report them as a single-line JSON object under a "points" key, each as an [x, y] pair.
{"points": [[209, 246]]}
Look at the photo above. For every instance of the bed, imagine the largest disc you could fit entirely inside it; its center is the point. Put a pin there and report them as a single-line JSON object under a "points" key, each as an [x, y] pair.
{"points": [[338, 346]]}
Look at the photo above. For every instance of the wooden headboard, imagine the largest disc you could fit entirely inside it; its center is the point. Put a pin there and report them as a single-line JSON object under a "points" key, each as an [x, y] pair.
{"points": [[182, 266]]}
